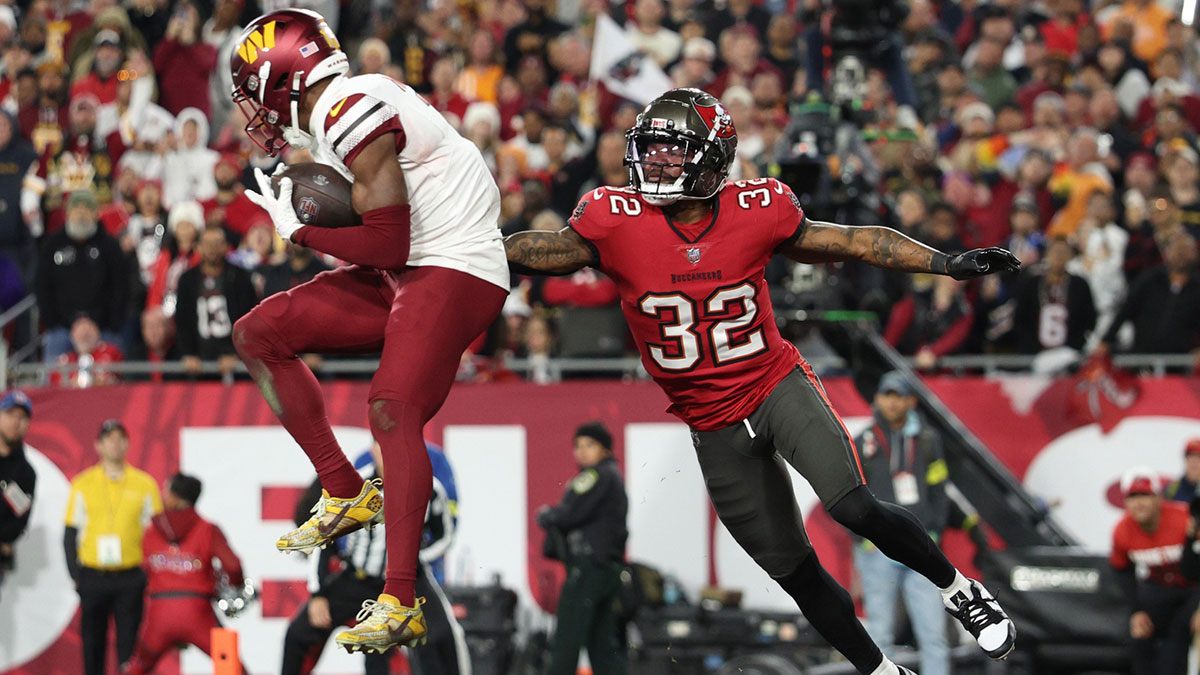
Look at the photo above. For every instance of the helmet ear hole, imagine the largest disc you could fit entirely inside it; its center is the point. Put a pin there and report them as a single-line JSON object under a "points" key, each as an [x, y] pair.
{"points": [[281, 82]]}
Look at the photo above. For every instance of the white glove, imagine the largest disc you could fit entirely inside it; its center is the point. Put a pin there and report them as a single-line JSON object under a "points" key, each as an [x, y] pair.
{"points": [[279, 208]]}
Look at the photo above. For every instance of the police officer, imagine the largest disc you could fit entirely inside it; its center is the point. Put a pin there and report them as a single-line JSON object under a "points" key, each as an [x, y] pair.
{"points": [[591, 518]]}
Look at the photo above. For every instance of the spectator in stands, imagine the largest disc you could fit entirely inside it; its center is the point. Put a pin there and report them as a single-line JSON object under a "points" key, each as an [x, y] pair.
{"points": [[1183, 180], [529, 141], [539, 345], [44, 122], [114, 216], [1101, 243], [902, 457], [103, 542], [179, 253], [1147, 545], [989, 73], [190, 164], [1026, 241], [1164, 304], [373, 56], [1147, 21], [481, 124], [16, 475], [89, 22], [742, 53], [1054, 308], [531, 36], [695, 68], [16, 158], [1183, 489], [184, 63], [300, 266], [931, 321], [158, 340], [1105, 114], [221, 31], [443, 96], [1170, 130], [941, 230], [212, 297], [147, 229], [1083, 175], [1128, 82], [480, 78], [101, 81], [82, 163], [646, 32], [87, 359], [81, 270], [257, 248], [229, 207]]}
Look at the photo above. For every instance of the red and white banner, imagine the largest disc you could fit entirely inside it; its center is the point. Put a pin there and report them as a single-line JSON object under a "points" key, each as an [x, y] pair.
{"points": [[510, 446]]}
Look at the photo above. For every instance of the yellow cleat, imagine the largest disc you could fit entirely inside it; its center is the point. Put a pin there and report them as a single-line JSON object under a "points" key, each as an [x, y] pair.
{"points": [[334, 517], [383, 624]]}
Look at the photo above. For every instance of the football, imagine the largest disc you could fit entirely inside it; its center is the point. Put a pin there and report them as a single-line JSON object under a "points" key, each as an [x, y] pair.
{"points": [[320, 195]]}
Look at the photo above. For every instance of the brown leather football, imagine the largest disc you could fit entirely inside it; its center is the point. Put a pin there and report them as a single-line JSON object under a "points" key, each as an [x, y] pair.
{"points": [[320, 195]]}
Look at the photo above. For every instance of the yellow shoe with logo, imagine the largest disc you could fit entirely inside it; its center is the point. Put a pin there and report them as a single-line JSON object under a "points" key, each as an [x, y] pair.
{"points": [[383, 624], [334, 517]]}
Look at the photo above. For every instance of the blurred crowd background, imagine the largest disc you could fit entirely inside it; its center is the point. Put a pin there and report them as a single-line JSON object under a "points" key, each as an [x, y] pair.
{"points": [[1064, 130]]}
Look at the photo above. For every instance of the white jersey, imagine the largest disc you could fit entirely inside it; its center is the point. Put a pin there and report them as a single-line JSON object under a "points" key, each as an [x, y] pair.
{"points": [[454, 200]]}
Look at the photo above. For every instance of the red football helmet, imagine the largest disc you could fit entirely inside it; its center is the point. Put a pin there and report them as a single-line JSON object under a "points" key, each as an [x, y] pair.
{"points": [[278, 57]]}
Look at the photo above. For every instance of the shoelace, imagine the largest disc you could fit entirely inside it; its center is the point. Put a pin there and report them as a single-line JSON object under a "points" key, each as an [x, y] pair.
{"points": [[979, 614], [374, 610]]}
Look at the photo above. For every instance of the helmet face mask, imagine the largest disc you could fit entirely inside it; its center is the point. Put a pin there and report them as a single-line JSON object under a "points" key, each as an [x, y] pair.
{"points": [[681, 147], [279, 56]]}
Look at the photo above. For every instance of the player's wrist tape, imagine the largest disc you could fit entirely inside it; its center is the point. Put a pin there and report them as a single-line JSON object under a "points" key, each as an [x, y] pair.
{"points": [[940, 263]]}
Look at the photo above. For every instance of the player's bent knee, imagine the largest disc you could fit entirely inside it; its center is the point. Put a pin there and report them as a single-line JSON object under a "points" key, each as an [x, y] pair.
{"points": [[855, 509]]}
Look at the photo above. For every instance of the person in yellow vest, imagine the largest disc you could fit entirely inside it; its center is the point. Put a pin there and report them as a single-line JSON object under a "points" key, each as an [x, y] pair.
{"points": [[108, 510]]}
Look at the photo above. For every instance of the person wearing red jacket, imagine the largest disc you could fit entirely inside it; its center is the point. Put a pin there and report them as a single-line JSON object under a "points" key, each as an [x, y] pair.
{"points": [[1147, 548], [179, 549]]}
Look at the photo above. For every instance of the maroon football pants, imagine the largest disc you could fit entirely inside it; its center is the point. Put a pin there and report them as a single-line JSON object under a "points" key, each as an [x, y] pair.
{"points": [[422, 319], [168, 623]]}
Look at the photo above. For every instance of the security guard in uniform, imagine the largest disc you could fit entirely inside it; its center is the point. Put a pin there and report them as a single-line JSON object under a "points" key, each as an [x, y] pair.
{"points": [[591, 519]]}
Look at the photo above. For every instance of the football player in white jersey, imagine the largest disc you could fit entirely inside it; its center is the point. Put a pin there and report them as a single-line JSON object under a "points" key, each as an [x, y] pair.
{"points": [[428, 274]]}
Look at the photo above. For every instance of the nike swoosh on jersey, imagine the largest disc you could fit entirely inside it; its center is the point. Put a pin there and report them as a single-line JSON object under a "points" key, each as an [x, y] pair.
{"points": [[337, 109]]}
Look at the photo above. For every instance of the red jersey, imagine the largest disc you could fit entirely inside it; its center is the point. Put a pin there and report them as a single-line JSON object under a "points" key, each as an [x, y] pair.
{"points": [[1155, 555], [694, 295], [179, 547]]}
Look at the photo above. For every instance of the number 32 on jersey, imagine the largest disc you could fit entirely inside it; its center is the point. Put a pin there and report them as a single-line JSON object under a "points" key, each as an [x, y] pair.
{"points": [[731, 335]]}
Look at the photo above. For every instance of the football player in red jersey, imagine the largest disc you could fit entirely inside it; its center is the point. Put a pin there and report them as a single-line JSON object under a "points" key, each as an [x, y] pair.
{"points": [[428, 275], [687, 250]]}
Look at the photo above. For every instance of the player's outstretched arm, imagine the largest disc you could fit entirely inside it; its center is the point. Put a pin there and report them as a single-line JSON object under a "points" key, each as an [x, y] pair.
{"points": [[884, 247], [553, 253]]}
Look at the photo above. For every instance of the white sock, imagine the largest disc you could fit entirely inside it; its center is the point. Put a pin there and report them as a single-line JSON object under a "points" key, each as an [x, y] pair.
{"points": [[886, 668], [960, 583]]}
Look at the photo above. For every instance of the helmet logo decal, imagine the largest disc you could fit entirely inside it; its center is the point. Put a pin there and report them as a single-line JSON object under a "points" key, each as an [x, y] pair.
{"points": [[308, 49], [658, 123], [716, 119], [260, 38]]}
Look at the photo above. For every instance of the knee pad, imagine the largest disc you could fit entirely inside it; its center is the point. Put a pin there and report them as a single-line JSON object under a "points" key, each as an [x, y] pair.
{"points": [[855, 509], [252, 336]]}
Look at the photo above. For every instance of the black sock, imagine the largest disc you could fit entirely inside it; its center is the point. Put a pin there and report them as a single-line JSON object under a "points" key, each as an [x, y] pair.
{"points": [[829, 609], [896, 532]]}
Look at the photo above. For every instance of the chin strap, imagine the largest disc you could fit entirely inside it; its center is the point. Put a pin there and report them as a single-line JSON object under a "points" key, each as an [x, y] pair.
{"points": [[293, 134]]}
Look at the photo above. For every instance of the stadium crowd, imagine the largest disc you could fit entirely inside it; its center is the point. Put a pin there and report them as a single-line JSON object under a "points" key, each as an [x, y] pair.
{"points": [[1064, 130]]}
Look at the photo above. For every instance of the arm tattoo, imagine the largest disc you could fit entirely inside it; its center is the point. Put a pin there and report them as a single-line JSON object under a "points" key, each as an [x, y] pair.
{"points": [[887, 248], [553, 253], [878, 246]]}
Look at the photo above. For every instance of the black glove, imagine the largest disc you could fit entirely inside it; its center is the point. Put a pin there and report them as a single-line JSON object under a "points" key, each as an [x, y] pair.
{"points": [[980, 261]]}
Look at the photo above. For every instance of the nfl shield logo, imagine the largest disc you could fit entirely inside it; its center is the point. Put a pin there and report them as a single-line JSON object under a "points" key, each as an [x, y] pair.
{"points": [[693, 255], [308, 209]]}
